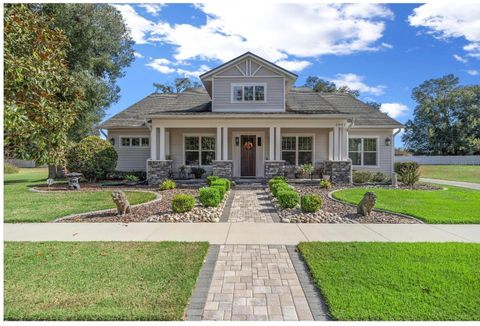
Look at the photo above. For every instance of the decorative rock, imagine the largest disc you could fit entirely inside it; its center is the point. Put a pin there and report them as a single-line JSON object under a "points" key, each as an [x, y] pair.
{"points": [[366, 204], [121, 200]]}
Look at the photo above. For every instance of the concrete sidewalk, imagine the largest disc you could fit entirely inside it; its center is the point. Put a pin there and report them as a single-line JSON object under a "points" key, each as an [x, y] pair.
{"points": [[241, 233], [469, 185]]}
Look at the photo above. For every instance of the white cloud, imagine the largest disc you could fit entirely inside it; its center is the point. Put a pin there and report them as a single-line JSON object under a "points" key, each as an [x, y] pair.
{"points": [[473, 72], [166, 66], [152, 8], [355, 82], [138, 55], [460, 58], [161, 65], [394, 110], [294, 65], [193, 73], [444, 20], [387, 45], [138, 25]]}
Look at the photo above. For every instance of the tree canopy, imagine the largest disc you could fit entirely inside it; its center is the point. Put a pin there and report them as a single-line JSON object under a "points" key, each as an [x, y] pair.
{"points": [[180, 85], [446, 118], [324, 86]]}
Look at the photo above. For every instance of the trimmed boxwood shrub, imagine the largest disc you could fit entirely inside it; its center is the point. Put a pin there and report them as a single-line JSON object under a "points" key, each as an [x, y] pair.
{"points": [[408, 172], [212, 178], [310, 203], [210, 196], [225, 183], [168, 184], [276, 187], [271, 182], [182, 203], [94, 157], [221, 190], [287, 198]]}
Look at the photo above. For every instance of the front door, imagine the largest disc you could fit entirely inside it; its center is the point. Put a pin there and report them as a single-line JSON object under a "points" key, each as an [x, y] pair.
{"points": [[248, 156]]}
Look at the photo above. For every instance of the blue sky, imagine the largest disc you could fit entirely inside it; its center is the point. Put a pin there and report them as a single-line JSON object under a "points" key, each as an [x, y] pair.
{"points": [[384, 51]]}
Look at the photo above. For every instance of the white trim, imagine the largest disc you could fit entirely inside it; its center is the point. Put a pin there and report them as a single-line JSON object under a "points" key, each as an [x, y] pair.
{"points": [[225, 144], [241, 71], [199, 147], [259, 154], [259, 67], [248, 115], [247, 84], [362, 137], [271, 144], [130, 146], [259, 76], [162, 143], [296, 135]]}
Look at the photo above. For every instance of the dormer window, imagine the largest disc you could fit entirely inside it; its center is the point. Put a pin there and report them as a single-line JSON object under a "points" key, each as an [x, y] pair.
{"points": [[248, 92]]}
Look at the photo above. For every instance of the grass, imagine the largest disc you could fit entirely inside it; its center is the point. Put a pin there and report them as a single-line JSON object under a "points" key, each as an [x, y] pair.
{"points": [[397, 281], [453, 205], [466, 173], [100, 280], [22, 205]]}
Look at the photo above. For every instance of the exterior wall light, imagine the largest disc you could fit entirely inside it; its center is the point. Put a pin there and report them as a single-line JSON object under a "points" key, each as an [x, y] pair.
{"points": [[388, 141], [237, 141]]}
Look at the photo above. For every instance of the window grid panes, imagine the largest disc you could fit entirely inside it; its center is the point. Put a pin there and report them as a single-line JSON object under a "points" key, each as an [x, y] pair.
{"points": [[248, 93], [297, 150], [199, 150], [134, 141], [363, 151]]}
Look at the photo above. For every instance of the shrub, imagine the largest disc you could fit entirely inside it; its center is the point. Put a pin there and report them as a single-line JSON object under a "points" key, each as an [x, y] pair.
{"points": [[132, 178], [222, 182], [379, 177], [210, 196], [182, 203], [212, 178], [197, 172], [361, 176], [221, 190], [168, 184], [325, 184], [310, 203], [271, 182], [9, 168], [287, 198], [94, 157], [276, 187], [279, 177], [122, 175], [408, 172]]}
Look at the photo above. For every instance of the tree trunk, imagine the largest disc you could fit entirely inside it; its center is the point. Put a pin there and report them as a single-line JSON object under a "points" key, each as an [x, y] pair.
{"points": [[52, 171]]}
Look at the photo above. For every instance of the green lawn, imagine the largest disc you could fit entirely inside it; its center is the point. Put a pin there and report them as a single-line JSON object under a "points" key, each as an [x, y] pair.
{"points": [[466, 173], [454, 205], [397, 281], [100, 280], [22, 205]]}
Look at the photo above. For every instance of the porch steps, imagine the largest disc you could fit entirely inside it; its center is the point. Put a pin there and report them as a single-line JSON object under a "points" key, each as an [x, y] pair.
{"points": [[249, 183]]}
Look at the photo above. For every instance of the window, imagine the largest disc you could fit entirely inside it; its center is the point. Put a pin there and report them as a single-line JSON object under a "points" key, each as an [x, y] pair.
{"points": [[199, 150], [248, 93], [134, 141], [363, 151], [297, 150]]}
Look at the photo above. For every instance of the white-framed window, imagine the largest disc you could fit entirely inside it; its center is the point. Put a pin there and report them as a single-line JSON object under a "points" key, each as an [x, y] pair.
{"points": [[250, 92], [134, 141], [297, 150], [363, 151], [199, 150]]}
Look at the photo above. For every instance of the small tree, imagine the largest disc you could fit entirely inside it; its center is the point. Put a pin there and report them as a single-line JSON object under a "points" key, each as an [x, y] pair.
{"points": [[94, 157], [408, 172]]}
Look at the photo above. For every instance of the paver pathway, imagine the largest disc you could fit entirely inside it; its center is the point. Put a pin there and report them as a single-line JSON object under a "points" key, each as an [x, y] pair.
{"points": [[252, 205], [255, 282], [469, 185]]}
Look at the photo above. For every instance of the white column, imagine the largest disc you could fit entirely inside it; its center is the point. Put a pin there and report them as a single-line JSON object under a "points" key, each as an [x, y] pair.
{"points": [[345, 143], [335, 143], [225, 143], [330, 145], [271, 145], [153, 143], [278, 143], [162, 143], [218, 145]]}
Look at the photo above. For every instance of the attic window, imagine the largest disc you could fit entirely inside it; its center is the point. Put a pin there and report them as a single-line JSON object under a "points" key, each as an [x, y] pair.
{"points": [[248, 92]]}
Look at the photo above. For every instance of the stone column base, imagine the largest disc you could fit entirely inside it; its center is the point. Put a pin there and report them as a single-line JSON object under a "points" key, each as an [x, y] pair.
{"points": [[158, 171], [223, 169], [273, 168], [339, 171]]}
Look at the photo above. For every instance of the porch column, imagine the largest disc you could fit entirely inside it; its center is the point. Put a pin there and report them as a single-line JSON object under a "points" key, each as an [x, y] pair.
{"points": [[330, 145], [271, 147], [344, 143], [218, 145], [162, 143], [153, 143], [336, 143], [225, 143], [278, 142]]}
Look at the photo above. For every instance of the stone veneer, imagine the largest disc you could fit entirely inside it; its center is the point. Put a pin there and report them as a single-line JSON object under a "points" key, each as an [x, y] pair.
{"points": [[339, 171], [157, 171], [223, 169], [273, 168]]}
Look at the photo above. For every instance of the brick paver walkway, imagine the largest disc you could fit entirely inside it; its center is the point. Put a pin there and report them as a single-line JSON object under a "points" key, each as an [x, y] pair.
{"points": [[252, 205], [255, 282]]}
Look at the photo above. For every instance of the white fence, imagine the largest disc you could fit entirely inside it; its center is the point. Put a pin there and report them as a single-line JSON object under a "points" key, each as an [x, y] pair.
{"points": [[441, 160]]}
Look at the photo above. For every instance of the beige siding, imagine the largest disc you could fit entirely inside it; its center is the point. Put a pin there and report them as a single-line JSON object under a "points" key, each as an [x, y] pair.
{"points": [[384, 153], [130, 158]]}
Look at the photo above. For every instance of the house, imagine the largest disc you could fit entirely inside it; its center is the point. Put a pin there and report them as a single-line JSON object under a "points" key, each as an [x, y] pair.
{"points": [[250, 121]]}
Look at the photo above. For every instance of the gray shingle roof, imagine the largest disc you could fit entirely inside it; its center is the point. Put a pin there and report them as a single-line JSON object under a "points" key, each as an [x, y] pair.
{"points": [[298, 101]]}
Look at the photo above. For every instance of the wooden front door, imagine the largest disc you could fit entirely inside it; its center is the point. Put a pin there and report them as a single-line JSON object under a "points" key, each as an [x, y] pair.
{"points": [[248, 156]]}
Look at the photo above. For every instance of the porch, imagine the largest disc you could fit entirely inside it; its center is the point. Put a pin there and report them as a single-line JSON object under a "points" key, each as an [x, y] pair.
{"points": [[247, 148]]}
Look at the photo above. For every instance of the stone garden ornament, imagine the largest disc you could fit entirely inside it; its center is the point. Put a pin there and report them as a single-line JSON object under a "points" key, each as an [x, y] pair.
{"points": [[121, 200], [73, 180], [365, 206]]}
